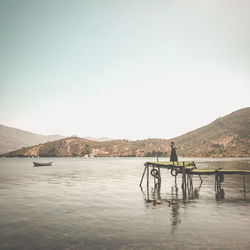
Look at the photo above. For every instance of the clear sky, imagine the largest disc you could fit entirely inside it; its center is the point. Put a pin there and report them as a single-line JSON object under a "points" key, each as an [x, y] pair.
{"points": [[122, 69]]}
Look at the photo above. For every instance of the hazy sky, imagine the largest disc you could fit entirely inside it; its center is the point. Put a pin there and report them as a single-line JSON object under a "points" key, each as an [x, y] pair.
{"points": [[122, 69]]}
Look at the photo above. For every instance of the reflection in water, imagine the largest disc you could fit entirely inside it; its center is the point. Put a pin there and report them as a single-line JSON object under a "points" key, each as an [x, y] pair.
{"points": [[96, 204], [175, 217], [174, 203], [220, 194], [189, 194]]}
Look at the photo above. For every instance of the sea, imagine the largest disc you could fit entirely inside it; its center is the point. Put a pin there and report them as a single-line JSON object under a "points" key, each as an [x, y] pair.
{"points": [[97, 203]]}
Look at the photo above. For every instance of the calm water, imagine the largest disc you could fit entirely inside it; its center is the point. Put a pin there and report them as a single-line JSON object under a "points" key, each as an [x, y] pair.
{"points": [[96, 203]]}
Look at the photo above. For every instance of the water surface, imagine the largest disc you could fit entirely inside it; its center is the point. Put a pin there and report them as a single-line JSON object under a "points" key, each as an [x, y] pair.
{"points": [[82, 203]]}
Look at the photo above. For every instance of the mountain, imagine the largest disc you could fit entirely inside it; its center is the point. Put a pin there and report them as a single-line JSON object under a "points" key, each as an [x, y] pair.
{"points": [[228, 136], [12, 138], [75, 146], [225, 137]]}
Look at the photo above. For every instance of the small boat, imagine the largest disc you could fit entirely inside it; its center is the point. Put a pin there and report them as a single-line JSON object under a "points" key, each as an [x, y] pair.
{"points": [[38, 164]]}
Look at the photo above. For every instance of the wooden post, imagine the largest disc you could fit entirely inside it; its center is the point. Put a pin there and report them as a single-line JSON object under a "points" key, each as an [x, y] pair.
{"points": [[159, 184], [217, 185], [215, 182], [244, 186], [184, 183], [148, 182], [175, 182], [159, 178], [154, 178], [143, 175], [147, 176], [154, 200], [201, 180], [184, 175], [191, 182]]}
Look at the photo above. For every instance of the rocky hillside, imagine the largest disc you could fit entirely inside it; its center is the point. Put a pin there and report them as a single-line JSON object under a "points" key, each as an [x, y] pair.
{"points": [[228, 136], [12, 138], [74, 146]]}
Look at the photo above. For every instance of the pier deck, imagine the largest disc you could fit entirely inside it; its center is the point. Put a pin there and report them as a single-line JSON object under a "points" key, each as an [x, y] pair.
{"points": [[218, 171], [170, 164], [188, 169]]}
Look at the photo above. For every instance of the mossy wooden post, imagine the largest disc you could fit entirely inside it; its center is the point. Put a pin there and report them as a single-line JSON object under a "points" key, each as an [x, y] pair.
{"points": [[154, 187], [244, 186], [175, 182], [189, 184], [184, 176], [159, 185], [148, 181], [154, 178], [159, 176], [184, 184], [143, 175], [201, 180], [215, 182]]}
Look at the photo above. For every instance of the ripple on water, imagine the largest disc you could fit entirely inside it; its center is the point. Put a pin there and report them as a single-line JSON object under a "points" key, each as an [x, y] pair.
{"points": [[97, 203]]}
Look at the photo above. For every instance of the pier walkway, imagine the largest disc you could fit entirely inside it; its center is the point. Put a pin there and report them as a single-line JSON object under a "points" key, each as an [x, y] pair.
{"points": [[188, 169]]}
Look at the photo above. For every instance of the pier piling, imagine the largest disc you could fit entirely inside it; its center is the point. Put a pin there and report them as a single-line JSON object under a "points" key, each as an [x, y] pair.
{"points": [[188, 170]]}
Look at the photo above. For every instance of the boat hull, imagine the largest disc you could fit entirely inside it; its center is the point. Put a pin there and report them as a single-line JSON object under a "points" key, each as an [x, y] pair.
{"points": [[40, 164]]}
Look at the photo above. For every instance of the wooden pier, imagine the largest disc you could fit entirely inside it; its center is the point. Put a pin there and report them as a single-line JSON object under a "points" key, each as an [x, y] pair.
{"points": [[188, 169]]}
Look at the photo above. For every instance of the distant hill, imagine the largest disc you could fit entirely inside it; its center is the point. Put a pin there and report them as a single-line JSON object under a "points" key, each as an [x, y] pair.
{"points": [[228, 136], [12, 138]]}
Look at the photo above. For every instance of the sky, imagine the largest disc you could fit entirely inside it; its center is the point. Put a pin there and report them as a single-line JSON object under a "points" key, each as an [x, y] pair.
{"points": [[133, 69]]}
